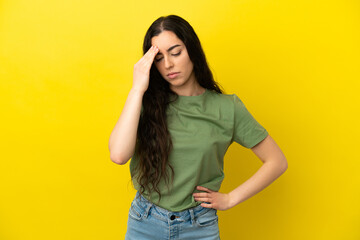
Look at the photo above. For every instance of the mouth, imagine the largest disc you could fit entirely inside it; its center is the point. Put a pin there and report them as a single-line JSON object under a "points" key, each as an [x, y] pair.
{"points": [[173, 74]]}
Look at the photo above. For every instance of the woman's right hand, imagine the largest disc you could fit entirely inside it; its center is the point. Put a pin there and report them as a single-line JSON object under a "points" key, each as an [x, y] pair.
{"points": [[142, 70]]}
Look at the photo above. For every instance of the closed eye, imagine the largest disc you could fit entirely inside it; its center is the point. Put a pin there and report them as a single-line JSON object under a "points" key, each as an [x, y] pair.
{"points": [[175, 54]]}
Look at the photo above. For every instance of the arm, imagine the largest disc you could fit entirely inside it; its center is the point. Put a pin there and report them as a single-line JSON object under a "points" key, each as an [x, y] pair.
{"points": [[123, 137], [275, 164]]}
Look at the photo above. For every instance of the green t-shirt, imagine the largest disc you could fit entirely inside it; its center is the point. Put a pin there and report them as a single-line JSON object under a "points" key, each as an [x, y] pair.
{"points": [[202, 128]]}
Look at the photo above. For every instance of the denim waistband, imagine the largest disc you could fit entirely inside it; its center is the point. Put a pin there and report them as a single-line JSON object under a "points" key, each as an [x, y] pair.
{"points": [[165, 215]]}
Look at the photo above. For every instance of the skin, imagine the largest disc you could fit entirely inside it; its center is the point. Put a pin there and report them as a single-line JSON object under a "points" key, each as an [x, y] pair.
{"points": [[168, 61], [267, 150], [123, 137], [274, 165], [122, 140]]}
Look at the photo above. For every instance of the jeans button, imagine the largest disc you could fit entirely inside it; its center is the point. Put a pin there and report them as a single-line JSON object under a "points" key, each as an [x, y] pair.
{"points": [[172, 217]]}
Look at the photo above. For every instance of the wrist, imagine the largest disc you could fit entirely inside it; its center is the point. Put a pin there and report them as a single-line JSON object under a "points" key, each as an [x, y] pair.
{"points": [[232, 200], [137, 91]]}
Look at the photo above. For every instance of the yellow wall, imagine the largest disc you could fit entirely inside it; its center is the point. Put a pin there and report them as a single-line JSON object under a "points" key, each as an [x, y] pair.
{"points": [[65, 71]]}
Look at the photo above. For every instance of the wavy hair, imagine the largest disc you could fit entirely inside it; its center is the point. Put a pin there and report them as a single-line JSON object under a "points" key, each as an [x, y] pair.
{"points": [[154, 142]]}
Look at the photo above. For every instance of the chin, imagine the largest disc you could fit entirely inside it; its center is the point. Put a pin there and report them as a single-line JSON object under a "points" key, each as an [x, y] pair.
{"points": [[175, 82]]}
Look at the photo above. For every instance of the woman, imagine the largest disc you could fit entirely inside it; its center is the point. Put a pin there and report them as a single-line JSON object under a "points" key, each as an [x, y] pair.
{"points": [[176, 126]]}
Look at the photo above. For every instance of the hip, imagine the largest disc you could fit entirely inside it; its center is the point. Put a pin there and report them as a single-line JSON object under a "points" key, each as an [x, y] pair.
{"points": [[149, 221]]}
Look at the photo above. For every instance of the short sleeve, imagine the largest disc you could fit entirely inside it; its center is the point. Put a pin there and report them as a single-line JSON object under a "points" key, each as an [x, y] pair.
{"points": [[247, 131]]}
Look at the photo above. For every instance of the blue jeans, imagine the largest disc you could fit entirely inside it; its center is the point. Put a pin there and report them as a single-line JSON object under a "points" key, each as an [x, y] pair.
{"points": [[148, 221]]}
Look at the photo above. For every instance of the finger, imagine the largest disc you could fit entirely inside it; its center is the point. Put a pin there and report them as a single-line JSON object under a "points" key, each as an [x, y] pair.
{"points": [[148, 60], [147, 56], [207, 205], [203, 189], [151, 53], [202, 199], [202, 194]]}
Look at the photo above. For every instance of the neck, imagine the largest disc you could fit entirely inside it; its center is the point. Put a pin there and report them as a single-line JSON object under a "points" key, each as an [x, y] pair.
{"points": [[191, 92], [193, 88]]}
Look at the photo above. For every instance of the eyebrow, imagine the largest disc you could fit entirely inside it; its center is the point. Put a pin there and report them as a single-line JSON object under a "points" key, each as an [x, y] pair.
{"points": [[171, 48]]}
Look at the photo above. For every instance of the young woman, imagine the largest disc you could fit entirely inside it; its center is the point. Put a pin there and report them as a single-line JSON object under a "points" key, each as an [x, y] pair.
{"points": [[176, 127]]}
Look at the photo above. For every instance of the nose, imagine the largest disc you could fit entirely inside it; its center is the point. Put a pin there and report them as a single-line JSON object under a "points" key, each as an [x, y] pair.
{"points": [[168, 63]]}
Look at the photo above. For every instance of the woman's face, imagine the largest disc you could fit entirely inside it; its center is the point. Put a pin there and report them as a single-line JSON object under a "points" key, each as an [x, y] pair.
{"points": [[173, 58]]}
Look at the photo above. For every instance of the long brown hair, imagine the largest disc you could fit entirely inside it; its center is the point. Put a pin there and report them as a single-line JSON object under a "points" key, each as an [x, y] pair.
{"points": [[153, 138]]}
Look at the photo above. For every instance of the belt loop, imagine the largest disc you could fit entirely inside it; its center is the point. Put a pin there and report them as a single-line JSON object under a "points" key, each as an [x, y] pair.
{"points": [[192, 216], [149, 205]]}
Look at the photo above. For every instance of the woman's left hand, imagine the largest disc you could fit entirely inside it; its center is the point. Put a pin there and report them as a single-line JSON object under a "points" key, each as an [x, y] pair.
{"points": [[216, 200]]}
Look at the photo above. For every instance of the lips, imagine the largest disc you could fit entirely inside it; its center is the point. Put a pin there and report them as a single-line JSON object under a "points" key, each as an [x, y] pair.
{"points": [[172, 73]]}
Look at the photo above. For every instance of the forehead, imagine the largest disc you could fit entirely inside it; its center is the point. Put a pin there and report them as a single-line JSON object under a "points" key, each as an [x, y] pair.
{"points": [[166, 39]]}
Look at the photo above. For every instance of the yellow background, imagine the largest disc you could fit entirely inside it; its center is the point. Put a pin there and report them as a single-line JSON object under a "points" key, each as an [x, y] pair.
{"points": [[65, 72]]}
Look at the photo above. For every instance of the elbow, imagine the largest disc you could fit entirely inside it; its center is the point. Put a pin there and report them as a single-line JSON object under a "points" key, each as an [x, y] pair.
{"points": [[118, 159], [284, 165]]}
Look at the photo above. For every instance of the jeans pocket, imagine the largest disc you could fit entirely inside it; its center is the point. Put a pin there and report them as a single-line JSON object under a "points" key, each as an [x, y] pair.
{"points": [[136, 212], [207, 218]]}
